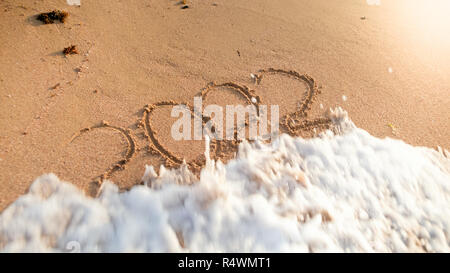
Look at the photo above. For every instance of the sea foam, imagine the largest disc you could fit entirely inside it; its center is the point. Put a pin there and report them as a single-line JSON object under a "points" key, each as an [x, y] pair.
{"points": [[344, 192]]}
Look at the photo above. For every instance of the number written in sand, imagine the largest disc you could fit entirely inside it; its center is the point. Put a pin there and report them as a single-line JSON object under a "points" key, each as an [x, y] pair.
{"points": [[294, 122]]}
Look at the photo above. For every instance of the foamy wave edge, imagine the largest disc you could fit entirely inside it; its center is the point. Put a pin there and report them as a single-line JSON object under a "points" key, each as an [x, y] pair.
{"points": [[344, 192]]}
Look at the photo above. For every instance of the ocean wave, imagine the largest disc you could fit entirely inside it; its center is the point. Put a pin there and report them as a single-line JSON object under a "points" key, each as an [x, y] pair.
{"points": [[342, 192]]}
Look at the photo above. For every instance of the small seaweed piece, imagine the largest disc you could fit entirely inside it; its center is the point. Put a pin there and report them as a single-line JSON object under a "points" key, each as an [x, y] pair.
{"points": [[51, 17], [70, 50]]}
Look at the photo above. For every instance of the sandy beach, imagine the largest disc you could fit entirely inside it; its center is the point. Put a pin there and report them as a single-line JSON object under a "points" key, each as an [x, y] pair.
{"points": [[387, 65]]}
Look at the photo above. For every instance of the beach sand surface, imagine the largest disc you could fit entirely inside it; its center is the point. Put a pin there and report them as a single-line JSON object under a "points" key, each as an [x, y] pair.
{"points": [[387, 65]]}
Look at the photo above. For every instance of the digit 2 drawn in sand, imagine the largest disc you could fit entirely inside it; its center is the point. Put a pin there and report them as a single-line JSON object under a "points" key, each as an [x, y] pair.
{"points": [[225, 148]]}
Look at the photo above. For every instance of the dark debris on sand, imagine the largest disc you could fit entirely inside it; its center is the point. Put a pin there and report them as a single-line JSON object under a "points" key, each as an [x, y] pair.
{"points": [[51, 17], [70, 50]]}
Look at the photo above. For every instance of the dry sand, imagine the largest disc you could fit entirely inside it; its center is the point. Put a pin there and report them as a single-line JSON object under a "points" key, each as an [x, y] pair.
{"points": [[391, 62]]}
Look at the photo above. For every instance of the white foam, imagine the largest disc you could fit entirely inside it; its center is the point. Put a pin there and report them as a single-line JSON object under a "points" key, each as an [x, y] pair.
{"points": [[350, 192]]}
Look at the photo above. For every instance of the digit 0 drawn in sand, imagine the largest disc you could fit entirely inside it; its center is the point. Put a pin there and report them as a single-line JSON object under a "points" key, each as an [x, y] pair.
{"points": [[94, 186], [155, 146], [295, 122]]}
